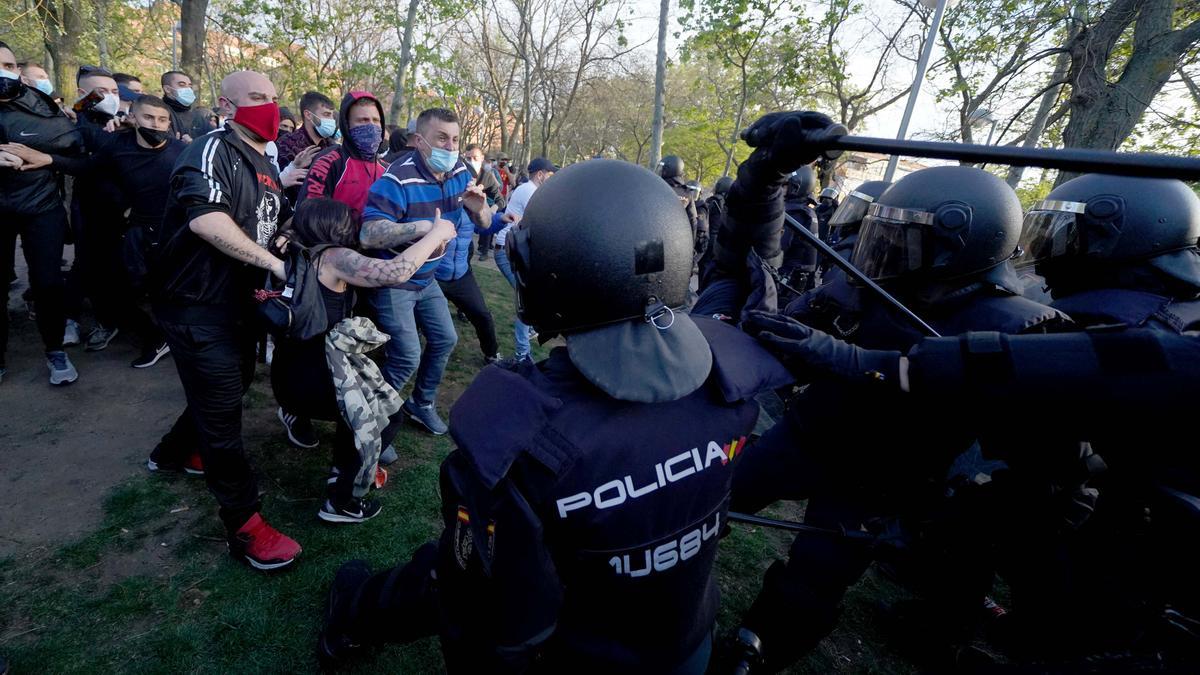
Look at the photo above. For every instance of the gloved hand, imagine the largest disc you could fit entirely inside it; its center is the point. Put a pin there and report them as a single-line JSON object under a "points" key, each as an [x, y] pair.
{"points": [[806, 351], [784, 139]]}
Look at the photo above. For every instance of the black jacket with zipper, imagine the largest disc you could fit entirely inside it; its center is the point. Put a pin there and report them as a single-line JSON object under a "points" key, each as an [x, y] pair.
{"points": [[33, 119]]}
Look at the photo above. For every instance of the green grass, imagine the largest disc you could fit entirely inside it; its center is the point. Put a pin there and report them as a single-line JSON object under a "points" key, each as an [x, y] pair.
{"points": [[153, 590]]}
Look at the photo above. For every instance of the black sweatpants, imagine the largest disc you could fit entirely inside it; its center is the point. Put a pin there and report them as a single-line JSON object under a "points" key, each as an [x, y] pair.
{"points": [[42, 237], [216, 365], [465, 294], [98, 272]]}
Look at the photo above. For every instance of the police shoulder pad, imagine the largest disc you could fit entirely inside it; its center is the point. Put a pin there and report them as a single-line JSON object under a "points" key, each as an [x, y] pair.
{"points": [[741, 366], [499, 416]]}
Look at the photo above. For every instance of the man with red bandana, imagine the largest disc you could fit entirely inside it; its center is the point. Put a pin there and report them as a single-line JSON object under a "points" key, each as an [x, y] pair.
{"points": [[209, 254]]}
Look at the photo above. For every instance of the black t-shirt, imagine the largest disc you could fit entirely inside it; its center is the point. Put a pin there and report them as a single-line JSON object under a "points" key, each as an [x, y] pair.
{"points": [[217, 172], [140, 177]]}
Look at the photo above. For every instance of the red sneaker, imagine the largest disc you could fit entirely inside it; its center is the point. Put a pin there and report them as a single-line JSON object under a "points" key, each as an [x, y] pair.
{"points": [[262, 546], [193, 465]]}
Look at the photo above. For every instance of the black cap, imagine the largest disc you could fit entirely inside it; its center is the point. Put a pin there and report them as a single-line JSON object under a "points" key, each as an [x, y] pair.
{"points": [[542, 164]]}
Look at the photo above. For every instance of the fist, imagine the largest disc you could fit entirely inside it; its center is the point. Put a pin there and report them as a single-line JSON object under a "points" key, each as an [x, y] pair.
{"points": [[785, 141]]}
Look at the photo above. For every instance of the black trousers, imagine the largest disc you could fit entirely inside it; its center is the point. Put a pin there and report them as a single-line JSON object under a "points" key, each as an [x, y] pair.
{"points": [[216, 365], [465, 294], [42, 237], [98, 272]]}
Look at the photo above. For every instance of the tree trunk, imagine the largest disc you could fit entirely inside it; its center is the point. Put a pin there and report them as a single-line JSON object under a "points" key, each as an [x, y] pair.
{"points": [[1103, 114], [100, 15], [398, 96], [1038, 127], [660, 81], [191, 38]]}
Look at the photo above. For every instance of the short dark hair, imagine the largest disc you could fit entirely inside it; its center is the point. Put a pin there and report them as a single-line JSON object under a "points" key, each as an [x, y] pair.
{"points": [[4, 45], [443, 114], [311, 100], [285, 114], [91, 71], [398, 140], [126, 78], [321, 220], [472, 147], [166, 77], [149, 100]]}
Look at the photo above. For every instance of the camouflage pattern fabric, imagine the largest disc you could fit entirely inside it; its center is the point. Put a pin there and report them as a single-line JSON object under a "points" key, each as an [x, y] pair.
{"points": [[366, 400]]}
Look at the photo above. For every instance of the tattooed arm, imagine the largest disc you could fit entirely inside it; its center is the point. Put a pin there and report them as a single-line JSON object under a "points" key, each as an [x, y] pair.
{"points": [[359, 270], [218, 229], [382, 233]]}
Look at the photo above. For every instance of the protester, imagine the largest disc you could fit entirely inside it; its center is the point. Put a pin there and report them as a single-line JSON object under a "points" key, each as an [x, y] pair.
{"points": [[483, 176], [540, 170], [317, 127], [224, 208], [346, 172], [301, 374], [34, 75], [430, 179], [187, 120], [397, 146], [287, 122], [139, 162], [31, 205]]}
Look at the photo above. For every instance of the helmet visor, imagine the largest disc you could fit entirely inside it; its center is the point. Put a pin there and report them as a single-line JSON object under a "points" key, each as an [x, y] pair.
{"points": [[890, 243], [851, 211], [1050, 230]]}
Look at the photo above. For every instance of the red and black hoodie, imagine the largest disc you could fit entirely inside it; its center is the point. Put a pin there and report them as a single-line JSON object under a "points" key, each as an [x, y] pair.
{"points": [[340, 171]]}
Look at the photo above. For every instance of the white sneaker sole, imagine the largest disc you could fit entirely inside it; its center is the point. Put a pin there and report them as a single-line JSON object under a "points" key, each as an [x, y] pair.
{"points": [[157, 357], [417, 421], [153, 466], [262, 565]]}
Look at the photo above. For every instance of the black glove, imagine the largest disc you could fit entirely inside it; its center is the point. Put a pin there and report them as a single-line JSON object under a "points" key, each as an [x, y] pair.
{"points": [[807, 351], [784, 139]]}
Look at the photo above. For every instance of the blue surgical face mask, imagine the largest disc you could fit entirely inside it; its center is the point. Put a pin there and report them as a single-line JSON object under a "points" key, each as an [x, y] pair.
{"points": [[440, 159], [44, 86], [326, 126], [185, 95], [9, 74]]}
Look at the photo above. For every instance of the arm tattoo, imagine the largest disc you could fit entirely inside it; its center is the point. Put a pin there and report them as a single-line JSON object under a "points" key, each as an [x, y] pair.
{"points": [[254, 255], [360, 270], [383, 233]]}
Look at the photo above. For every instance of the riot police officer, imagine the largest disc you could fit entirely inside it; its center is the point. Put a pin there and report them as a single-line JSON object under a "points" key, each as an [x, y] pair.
{"points": [[672, 172], [827, 203], [799, 267], [580, 534], [947, 253], [845, 220]]}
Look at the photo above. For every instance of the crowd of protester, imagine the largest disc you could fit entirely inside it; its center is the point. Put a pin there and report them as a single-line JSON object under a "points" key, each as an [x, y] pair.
{"points": [[178, 211]]}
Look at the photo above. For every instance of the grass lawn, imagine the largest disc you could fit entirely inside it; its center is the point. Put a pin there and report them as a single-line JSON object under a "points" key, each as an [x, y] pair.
{"points": [[153, 590]]}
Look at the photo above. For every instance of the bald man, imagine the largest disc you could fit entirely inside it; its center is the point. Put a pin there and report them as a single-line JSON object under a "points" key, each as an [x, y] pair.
{"points": [[210, 254]]}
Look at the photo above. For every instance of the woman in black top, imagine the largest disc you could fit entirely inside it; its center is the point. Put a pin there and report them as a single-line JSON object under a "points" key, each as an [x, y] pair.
{"points": [[300, 375]]}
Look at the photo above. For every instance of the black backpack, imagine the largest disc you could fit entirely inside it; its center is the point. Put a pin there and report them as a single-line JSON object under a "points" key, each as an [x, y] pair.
{"points": [[292, 308]]}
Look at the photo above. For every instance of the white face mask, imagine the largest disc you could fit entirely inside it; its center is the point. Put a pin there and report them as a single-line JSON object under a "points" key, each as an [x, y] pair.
{"points": [[475, 164], [110, 105]]}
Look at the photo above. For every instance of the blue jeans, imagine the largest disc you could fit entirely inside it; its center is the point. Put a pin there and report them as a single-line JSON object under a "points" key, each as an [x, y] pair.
{"points": [[400, 313], [520, 330]]}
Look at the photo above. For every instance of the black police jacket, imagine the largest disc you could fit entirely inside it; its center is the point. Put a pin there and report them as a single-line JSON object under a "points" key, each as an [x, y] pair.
{"points": [[580, 530], [216, 173], [33, 119], [1132, 309]]}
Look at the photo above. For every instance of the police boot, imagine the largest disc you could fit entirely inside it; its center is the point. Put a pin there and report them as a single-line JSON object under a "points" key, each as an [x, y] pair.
{"points": [[339, 641], [789, 618]]}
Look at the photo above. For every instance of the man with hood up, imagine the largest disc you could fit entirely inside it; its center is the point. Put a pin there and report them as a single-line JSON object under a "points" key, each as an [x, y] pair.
{"points": [[345, 172]]}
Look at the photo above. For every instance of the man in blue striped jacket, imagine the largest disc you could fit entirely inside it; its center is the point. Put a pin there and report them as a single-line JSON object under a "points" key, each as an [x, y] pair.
{"points": [[413, 191]]}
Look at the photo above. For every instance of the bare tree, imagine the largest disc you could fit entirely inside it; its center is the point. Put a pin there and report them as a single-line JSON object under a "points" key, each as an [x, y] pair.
{"points": [[660, 81]]}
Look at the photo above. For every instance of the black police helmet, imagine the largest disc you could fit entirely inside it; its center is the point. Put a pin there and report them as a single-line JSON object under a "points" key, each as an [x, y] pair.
{"points": [[672, 167], [583, 259], [1103, 220], [723, 186], [939, 224], [802, 181]]}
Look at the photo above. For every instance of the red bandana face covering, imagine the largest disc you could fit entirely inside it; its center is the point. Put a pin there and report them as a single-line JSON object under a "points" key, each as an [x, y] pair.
{"points": [[261, 120]]}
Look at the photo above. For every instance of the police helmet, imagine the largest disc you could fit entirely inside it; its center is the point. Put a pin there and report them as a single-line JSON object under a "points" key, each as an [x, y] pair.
{"points": [[723, 186], [854, 208], [801, 182], [672, 167], [828, 193], [939, 224], [583, 260], [694, 186], [1097, 220]]}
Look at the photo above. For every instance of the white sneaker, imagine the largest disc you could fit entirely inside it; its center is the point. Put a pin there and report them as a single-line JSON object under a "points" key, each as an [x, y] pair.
{"points": [[62, 371], [71, 334]]}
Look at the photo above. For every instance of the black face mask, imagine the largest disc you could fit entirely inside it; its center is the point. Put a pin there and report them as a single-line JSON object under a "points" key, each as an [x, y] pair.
{"points": [[152, 136], [11, 88]]}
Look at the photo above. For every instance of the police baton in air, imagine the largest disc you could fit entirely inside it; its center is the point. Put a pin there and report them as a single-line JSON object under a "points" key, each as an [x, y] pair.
{"points": [[833, 141], [801, 528]]}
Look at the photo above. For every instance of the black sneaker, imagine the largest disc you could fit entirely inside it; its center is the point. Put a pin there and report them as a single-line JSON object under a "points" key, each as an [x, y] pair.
{"points": [[300, 430], [337, 641], [99, 338], [353, 511], [151, 355]]}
